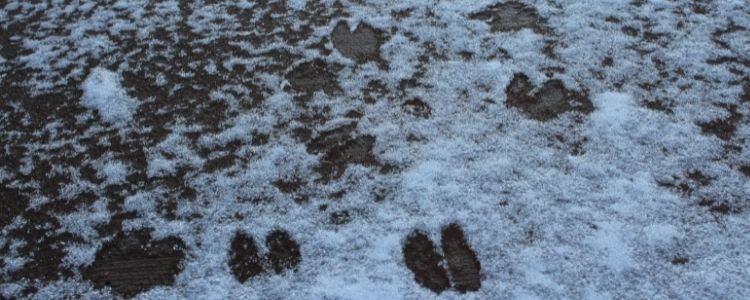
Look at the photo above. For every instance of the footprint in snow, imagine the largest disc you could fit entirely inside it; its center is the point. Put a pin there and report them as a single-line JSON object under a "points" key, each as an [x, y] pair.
{"points": [[423, 259]]}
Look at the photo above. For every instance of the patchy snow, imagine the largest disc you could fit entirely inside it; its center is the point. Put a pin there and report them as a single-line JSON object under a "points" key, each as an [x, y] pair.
{"points": [[636, 199]]}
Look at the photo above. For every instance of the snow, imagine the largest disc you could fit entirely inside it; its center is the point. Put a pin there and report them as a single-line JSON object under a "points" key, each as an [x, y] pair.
{"points": [[103, 92], [545, 223], [617, 256], [114, 172]]}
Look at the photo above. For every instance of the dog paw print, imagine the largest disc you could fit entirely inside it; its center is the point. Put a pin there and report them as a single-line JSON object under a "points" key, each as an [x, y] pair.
{"points": [[245, 260], [428, 265]]}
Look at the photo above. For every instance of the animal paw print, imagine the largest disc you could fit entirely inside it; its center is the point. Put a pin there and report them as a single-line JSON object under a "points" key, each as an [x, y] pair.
{"points": [[423, 259], [246, 262]]}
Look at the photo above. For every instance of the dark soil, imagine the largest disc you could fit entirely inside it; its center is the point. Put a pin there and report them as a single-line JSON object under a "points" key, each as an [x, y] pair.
{"points": [[355, 151], [340, 148], [133, 262], [44, 248], [340, 217], [658, 105], [462, 261], [13, 203], [361, 45], [417, 108], [284, 252], [745, 170], [244, 258], [511, 16], [548, 102], [311, 76], [288, 186], [680, 260], [723, 128], [423, 260]]}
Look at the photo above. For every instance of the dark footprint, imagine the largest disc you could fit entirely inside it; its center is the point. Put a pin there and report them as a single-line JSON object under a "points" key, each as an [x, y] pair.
{"points": [[424, 261], [244, 259], [547, 102], [462, 261], [511, 16], [361, 45], [284, 252], [133, 262]]}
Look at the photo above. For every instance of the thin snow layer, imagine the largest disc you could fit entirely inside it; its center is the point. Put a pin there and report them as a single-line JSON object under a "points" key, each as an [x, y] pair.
{"points": [[576, 207], [103, 92]]}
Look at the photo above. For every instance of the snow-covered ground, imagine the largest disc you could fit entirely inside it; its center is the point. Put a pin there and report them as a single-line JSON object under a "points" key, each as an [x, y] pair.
{"points": [[595, 149]]}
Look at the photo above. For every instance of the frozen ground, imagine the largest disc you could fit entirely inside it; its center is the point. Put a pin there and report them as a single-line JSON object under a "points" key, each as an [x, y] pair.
{"points": [[361, 149]]}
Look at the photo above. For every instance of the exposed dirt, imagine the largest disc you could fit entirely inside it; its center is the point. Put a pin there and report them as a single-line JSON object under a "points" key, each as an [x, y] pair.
{"points": [[340, 148], [680, 260], [13, 204], [424, 261], [417, 108], [316, 75], [511, 16], [659, 105], [723, 128], [340, 217], [288, 186], [133, 262], [361, 45], [462, 261], [44, 248], [547, 102], [284, 252], [745, 170], [687, 183], [244, 258], [719, 207]]}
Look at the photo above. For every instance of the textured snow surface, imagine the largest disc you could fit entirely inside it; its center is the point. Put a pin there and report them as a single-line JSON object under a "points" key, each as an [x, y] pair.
{"points": [[102, 91], [199, 119]]}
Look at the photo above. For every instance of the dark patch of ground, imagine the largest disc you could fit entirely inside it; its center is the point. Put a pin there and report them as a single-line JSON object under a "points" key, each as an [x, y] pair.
{"points": [[723, 128], [423, 260], [511, 16], [426, 263], [719, 207], [418, 108], [44, 249], [745, 170], [244, 259], [687, 183], [317, 75], [219, 163], [340, 148], [284, 252], [288, 186], [340, 217], [357, 150], [462, 261], [547, 102], [680, 260], [361, 45], [659, 105], [13, 203], [133, 262]]}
